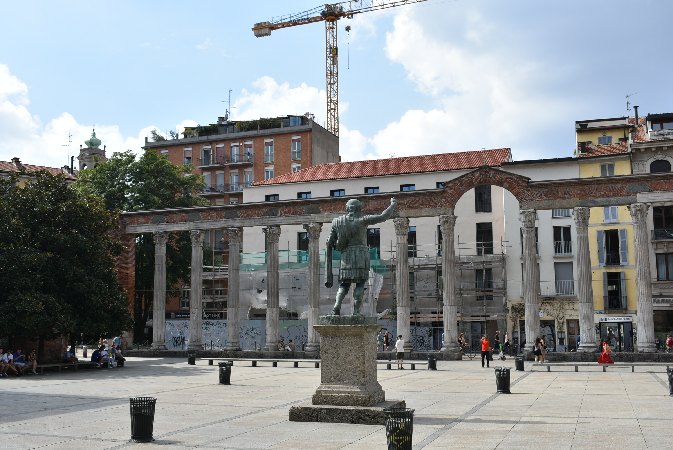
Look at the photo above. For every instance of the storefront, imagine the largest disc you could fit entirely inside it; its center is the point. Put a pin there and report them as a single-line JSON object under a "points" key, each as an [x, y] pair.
{"points": [[617, 331], [663, 318]]}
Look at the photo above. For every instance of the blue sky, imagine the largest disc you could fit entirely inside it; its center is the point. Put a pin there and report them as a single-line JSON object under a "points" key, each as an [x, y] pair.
{"points": [[437, 76]]}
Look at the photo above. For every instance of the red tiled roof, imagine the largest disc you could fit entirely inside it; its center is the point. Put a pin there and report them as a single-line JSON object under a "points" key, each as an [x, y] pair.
{"points": [[10, 167], [396, 166], [641, 130], [602, 150]]}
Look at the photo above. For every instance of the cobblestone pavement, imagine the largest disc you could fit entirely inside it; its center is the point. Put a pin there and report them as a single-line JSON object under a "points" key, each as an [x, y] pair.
{"points": [[456, 407]]}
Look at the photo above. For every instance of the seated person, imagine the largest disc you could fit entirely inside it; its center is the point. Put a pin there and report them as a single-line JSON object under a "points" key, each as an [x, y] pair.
{"points": [[290, 347], [69, 356], [119, 357], [8, 359], [95, 357], [20, 361], [104, 355], [31, 361]]}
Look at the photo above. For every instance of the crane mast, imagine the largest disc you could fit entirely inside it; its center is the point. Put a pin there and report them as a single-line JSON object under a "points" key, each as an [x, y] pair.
{"points": [[329, 14]]}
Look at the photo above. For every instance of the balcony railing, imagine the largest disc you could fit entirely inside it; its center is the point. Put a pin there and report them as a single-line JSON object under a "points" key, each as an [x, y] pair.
{"points": [[224, 188], [565, 287], [557, 288], [563, 248], [662, 234], [234, 158]]}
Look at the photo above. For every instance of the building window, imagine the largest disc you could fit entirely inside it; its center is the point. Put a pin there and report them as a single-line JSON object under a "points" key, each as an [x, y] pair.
{"points": [[233, 201], [660, 166], [268, 173], [440, 239], [296, 168], [302, 246], [562, 243], [337, 192], [206, 156], [604, 140], [374, 242], [563, 212], [304, 194], [411, 242], [372, 190], [219, 180], [187, 156], [484, 284], [247, 148], [610, 214], [268, 151], [412, 285], [663, 222], [234, 182], [271, 198], [608, 170], [484, 238], [248, 178], [234, 155], [614, 290], [407, 187], [296, 149], [163, 151], [482, 198], [665, 266], [207, 178], [612, 247], [563, 273], [440, 185], [184, 299]]}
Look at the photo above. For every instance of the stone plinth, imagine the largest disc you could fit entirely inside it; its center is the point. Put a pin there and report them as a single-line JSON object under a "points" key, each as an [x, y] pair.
{"points": [[349, 391]]}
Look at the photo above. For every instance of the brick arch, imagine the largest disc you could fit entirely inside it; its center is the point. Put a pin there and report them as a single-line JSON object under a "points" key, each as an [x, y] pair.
{"points": [[518, 185]]}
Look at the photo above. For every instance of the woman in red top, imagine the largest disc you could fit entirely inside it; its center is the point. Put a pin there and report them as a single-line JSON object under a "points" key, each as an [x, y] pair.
{"points": [[485, 351], [606, 356]]}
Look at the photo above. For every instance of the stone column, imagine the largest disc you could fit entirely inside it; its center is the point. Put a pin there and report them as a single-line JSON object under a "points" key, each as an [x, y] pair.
{"points": [[402, 281], [313, 230], [233, 290], [272, 295], [645, 313], [585, 290], [531, 279], [159, 299], [450, 305], [196, 292]]}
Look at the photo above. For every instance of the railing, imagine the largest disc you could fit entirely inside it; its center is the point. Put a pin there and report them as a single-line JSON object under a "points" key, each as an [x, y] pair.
{"points": [[486, 285], [662, 234], [222, 188], [558, 288], [565, 287], [563, 248], [612, 259], [614, 302], [235, 158]]}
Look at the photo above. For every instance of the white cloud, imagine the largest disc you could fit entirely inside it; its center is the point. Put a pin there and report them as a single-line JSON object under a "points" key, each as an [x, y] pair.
{"points": [[205, 45]]}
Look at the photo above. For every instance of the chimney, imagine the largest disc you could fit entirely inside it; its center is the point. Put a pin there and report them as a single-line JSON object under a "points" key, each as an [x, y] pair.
{"points": [[17, 163], [635, 108]]}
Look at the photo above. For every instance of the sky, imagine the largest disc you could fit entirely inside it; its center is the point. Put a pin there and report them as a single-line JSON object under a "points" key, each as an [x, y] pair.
{"points": [[431, 77]]}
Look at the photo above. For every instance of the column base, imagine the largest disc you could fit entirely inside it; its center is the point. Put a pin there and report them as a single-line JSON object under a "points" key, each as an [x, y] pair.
{"points": [[588, 347], [270, 348], [233, 347], [196, 346], [312, 347], [450, 348], [646, 348], [158, 346]]}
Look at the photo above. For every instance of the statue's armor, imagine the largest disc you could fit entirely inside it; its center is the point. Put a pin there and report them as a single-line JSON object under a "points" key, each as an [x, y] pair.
{"points": [[351, 240]]}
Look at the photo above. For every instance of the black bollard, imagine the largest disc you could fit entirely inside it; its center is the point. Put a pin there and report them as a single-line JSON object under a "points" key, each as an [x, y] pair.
{"points": [[191, 358], [432, 362], [669, 371], [518, 362], [142, 418], [502, 379], [225, 372]]}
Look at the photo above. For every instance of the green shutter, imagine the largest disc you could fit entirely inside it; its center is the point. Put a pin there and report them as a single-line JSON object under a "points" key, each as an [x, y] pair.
{"points": [[623, 248], [601, 247]]}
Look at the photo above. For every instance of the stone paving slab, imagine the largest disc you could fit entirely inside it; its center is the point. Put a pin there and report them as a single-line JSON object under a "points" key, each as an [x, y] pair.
{"points": [[456, 407]]}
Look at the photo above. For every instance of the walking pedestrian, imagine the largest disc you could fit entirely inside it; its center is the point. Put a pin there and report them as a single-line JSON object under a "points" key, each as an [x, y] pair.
{"points": [[485, 351], [399, 348]]}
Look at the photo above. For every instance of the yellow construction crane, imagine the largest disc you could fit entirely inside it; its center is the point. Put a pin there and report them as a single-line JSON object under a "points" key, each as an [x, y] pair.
{"points": [[329, 13]]}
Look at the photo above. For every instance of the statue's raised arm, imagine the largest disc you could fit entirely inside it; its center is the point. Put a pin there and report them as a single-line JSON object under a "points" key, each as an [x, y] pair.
{"points": [[349, 236]]}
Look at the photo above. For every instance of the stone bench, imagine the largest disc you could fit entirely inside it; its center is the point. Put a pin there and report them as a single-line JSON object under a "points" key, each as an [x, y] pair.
{"points": [[412, 364], [64, 365], [274, 362], [577, 365]]}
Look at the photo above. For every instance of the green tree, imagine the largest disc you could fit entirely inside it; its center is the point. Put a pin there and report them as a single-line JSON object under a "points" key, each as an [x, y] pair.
{"points": [[57, 260], [127, 183]]}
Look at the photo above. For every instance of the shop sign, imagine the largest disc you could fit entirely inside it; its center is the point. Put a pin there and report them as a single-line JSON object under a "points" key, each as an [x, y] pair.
{"points": [[616, 319], [662, 301], [213, 315]]}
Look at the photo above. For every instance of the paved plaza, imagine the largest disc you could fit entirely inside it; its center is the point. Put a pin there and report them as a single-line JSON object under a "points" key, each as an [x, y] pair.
{"points": [[456, 407]]}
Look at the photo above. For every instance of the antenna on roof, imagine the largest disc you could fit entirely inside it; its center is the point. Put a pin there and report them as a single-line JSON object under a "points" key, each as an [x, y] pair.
{"points": [[68, 145], [227, 115], [628, 101]]}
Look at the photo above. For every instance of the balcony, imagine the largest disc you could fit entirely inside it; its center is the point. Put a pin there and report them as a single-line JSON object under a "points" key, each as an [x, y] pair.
{"points": [[558, 288], [662, 234], [563, 248], [234, 159], [225, 188]]}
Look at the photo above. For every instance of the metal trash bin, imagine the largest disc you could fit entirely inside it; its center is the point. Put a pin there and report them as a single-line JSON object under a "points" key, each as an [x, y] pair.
{"points": [[519, 363], [191, 358], [142, 418], [432, 362], [399, 428], [225, 372], [502, 379], [669, 372]]}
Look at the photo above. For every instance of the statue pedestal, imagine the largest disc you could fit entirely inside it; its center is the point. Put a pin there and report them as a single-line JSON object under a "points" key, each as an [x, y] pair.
{"points": [[349, 391]]}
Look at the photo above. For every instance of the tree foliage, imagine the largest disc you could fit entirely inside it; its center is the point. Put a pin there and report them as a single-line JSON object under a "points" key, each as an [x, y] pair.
{"points": [[57, 260], [127, 183]]}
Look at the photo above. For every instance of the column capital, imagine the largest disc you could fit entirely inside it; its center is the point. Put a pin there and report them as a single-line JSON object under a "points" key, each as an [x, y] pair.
{"points": [[638, 212], [160, 238], [313, 229], [447, 223], [197, 237], [581, 215], [401, 226], [234, 235], [272, 233], [528, 217]]}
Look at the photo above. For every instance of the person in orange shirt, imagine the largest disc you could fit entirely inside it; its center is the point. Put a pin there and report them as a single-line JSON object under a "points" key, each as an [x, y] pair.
{"points": [[485, 351]]}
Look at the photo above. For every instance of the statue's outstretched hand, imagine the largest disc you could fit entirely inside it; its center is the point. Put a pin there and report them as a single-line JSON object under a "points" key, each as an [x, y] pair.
{"points": [[393, 201]]}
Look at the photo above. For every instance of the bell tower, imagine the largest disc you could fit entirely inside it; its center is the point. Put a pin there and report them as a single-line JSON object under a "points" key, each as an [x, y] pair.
{"points": [[92, 155]]}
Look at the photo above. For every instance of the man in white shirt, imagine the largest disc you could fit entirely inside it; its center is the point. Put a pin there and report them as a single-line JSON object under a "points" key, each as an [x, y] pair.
{"points": [[399, 348]]}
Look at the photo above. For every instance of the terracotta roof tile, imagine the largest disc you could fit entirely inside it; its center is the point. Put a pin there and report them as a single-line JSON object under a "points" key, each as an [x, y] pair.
{"points": [[396, 166], [641, 134], [602, 150], [10, 167]]}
